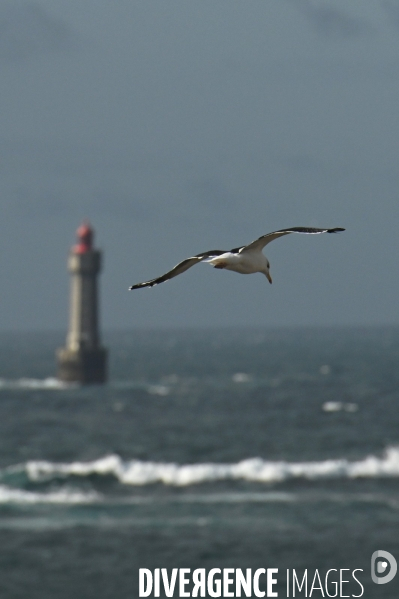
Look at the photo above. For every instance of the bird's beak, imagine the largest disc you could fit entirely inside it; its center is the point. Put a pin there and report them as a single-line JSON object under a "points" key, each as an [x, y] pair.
{"points": [[269, 278]]}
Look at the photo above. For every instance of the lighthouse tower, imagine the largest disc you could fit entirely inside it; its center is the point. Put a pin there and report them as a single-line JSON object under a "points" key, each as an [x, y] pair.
{"points": [[83, 360]]}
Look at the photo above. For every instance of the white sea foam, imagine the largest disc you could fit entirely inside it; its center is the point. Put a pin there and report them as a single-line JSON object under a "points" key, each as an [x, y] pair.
{"points": [[27, 383], [337, 406], [62, 496], [161, 390], [137, 472], [241, 377]]}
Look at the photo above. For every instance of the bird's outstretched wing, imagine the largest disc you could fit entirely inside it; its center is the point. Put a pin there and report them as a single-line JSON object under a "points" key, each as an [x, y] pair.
{"points": [[179, 268], [260, 243]]}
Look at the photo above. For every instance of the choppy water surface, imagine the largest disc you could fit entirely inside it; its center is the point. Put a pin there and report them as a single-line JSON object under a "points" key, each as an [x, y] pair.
{"points": [[240, 448]]}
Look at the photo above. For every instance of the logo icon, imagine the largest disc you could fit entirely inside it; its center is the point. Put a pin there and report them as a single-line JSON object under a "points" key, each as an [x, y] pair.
{"points": [[380, 560]]}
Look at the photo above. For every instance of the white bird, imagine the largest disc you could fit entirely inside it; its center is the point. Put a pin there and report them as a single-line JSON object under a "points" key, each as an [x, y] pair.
{"points": [[245, 260]]}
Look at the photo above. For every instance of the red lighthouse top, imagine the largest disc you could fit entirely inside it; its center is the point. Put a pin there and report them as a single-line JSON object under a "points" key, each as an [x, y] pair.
{"points": [[85, 235]]}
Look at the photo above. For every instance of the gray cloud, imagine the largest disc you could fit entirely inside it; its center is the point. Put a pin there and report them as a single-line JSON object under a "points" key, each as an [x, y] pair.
{"points": [[392, 10], [210, 190], [185, 126], [27, 30], [330, 21]]}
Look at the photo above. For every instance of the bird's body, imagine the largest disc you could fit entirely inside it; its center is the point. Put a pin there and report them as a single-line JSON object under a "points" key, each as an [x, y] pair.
{"points": [[247, 259], [245, 263]]}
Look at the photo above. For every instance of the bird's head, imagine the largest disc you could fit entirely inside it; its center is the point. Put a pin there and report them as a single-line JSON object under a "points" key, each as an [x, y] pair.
{"points": [[267, 272]]}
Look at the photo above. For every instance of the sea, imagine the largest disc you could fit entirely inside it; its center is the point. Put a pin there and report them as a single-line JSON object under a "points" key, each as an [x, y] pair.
{"points": [[207, 449]]}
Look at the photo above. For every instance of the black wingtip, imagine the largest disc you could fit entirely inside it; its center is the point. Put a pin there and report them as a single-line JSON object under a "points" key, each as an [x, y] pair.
{"points": [[336, 230], [141, 285]]}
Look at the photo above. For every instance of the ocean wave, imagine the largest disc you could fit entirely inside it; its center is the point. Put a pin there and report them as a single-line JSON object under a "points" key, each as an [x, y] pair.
{"points": [[61, 496], [28, 383], [140, 473]]}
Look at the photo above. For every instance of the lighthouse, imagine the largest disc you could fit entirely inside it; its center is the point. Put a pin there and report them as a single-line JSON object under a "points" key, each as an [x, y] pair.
{"points": [[83, 359]]}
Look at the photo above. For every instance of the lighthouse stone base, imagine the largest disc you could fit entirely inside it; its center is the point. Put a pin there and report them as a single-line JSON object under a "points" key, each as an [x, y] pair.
{"points": [[85, 366]]}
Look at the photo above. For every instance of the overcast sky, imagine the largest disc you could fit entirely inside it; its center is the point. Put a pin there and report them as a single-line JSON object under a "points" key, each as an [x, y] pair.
{"points": [[177, 127]]}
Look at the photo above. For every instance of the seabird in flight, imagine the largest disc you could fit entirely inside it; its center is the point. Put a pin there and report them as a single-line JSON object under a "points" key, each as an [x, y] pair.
{"points": [[246, 259]]}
